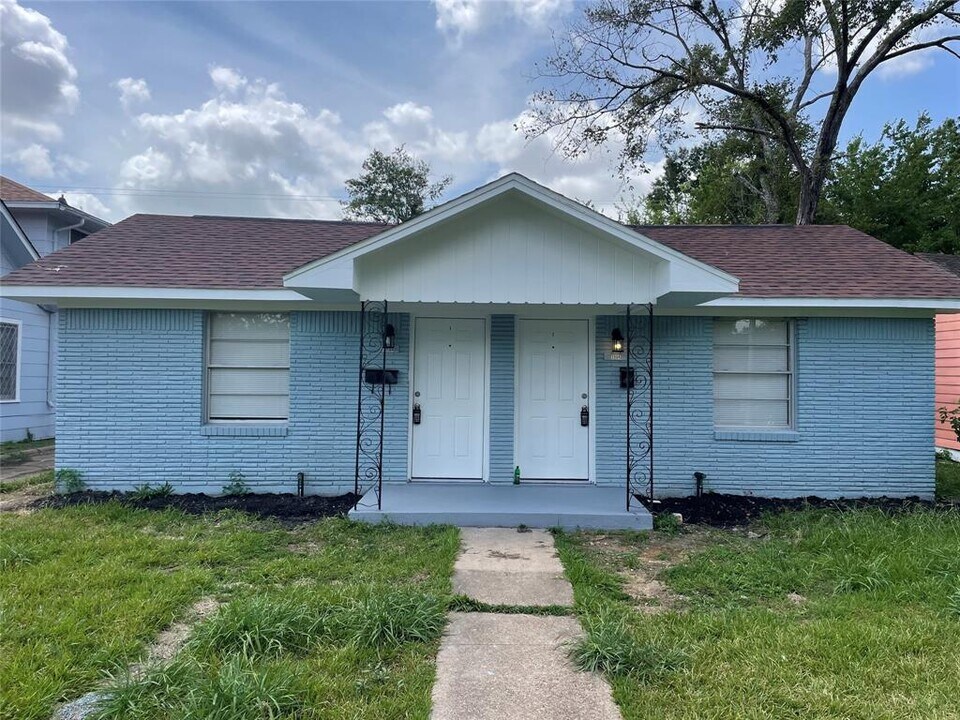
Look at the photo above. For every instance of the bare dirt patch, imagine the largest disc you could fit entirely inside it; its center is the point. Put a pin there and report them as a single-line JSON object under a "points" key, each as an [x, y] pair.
{"points": [[168, 643]]}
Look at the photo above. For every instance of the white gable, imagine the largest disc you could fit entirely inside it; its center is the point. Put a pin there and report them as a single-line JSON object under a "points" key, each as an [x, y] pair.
{"points": [[513, 242]]}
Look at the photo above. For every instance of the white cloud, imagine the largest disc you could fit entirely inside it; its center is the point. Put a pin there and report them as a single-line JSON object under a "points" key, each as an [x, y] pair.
{"points": [[408, 113], [35, 161], [37, 79], [592, 176], [88, 202], [459, 18], [227, 79], [132, 91]]}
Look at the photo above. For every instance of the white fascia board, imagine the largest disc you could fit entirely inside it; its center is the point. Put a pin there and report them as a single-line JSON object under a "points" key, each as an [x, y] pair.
{"points": [[54, 205], [24, 240], [54, 293], [721, 281], [932, 304]]}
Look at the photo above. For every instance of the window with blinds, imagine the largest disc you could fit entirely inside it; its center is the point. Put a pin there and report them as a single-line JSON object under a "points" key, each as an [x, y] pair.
{"points": [[248, 367], [9, 361], [752, 373]]}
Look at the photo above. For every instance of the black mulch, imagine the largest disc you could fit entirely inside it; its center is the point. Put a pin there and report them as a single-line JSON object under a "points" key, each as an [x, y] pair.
{"points": [[284, 507], [722, 510]]}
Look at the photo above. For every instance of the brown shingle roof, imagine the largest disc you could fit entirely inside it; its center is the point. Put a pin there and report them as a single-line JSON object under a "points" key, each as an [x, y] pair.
{"points": [[193, 252], [951, 263], [808, 261], [12, 191], [223, 252]]}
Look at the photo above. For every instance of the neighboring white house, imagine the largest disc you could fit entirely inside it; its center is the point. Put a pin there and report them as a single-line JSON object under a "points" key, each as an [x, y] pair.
{"points": [[32, 226]]}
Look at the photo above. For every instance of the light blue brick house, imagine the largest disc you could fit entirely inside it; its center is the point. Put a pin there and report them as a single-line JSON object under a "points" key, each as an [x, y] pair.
{"points": [[509, 334]]}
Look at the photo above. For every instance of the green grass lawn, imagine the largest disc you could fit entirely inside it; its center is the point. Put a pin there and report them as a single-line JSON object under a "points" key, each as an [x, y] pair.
{"points": [[948, 480], [327, 620], [872, 629]]}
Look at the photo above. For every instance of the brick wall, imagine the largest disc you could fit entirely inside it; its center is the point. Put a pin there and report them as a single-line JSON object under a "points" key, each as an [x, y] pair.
{"points": [[130, 408], [131, 405], [864, 391]]}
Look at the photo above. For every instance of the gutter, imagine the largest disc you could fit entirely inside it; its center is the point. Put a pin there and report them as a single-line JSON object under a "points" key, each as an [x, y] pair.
{"points": [[75, 226]]}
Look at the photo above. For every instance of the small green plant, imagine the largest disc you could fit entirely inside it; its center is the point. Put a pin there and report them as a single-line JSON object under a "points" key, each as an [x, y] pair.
{"points": [[69, 481], [667, 523], [951, 417], [609, 647], [149, 492], [28, 438], [260, 626], [388, 620], [237, 485]]}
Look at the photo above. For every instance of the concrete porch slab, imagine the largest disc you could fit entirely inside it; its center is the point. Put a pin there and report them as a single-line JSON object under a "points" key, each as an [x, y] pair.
{"points": [[486, 505]]}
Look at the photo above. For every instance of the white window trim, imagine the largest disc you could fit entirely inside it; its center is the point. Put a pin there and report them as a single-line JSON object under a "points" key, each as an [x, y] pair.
{"points": [[791, 374], [207, 366], [19, 324]]}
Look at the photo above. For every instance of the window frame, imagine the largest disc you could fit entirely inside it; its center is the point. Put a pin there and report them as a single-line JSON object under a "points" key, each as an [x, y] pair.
{"points": [[790, 373], [18, 368], [207, 354]]}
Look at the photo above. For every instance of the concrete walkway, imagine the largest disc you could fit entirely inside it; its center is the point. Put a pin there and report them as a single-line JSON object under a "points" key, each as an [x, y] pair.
{"points": [[500, 665]]}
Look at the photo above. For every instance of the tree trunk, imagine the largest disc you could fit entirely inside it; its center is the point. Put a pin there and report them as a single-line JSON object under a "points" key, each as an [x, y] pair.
{"points": [[809, 198]]}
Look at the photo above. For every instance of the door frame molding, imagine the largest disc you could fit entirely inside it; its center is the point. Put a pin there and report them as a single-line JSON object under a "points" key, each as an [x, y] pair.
{"points": [[439, 314], [591, 400]]}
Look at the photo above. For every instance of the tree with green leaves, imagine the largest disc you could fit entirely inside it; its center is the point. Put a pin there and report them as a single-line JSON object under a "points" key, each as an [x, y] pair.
{"points": [[903, 189], [784, 73], [392, 188]]}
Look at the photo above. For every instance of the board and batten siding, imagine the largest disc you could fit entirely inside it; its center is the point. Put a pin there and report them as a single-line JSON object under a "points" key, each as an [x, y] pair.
{"points": [[503, 253], [948, 376], [131, 408]]}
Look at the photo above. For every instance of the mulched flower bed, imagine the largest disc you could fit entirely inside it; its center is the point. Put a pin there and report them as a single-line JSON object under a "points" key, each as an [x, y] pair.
{"points": [[285, 507], [722, 510]]}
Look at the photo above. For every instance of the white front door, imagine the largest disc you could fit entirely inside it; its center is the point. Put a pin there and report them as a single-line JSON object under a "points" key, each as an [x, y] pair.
{"points": [[553, 382], [448, 383]]}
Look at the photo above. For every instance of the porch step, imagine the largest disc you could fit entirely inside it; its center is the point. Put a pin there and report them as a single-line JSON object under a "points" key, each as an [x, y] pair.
{"points": [[486, 505]]}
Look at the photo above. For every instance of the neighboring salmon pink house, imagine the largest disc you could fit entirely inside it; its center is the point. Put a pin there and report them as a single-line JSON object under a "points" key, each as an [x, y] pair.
{"points": [[508, 336], [947, 366]]}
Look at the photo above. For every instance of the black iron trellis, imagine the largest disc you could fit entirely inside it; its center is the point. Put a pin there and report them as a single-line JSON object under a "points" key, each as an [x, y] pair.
{"points": [[370, 401], [639, 351]]}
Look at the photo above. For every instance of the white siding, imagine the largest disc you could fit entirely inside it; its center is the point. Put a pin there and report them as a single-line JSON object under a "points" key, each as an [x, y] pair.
{"points": [[510, 251]]}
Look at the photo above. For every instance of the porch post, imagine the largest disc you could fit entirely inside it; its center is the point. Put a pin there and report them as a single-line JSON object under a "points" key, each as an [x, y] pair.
{"points": [[371, 399], [639, 430]]}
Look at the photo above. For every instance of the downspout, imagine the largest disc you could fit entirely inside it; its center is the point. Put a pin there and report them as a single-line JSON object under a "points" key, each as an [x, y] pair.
{"points": [[51, 315], [75, 226]]}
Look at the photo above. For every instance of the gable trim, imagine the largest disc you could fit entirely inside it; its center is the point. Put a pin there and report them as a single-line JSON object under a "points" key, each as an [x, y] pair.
{"points": [[18, 231], [517, 182]]}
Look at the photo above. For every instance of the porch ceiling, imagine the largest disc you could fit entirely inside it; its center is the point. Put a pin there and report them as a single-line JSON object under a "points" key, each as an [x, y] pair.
{"points": [[514, 243]]}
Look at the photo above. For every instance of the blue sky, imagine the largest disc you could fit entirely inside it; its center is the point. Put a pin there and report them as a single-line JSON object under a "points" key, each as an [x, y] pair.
{"points": [[265, 108]]}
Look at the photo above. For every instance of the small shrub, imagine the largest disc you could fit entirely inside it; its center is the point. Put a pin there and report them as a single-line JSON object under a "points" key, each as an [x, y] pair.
{"points": [[667, 523], [69, 481], [237, 485], [608, 647], [28, 438], [260, 626], [148, 492], [951, 417]]}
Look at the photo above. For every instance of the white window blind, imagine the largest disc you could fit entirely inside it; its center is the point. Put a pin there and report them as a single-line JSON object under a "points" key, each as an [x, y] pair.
{"points": [[248, 366], [9, 361], [752, 373]]}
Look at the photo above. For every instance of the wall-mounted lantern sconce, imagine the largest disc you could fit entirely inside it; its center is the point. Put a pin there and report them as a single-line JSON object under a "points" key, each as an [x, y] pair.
{"points": [[616, 341], [389, 337]]}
